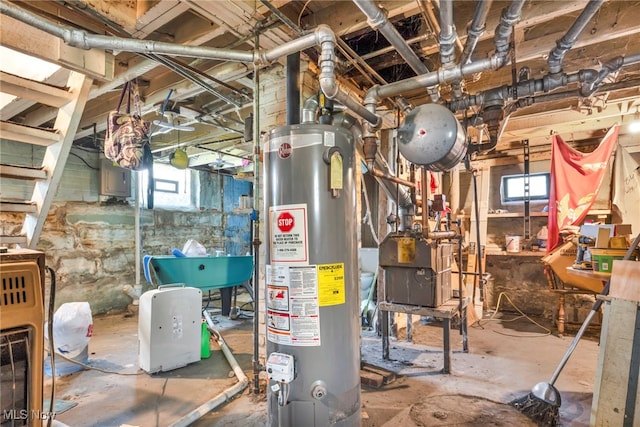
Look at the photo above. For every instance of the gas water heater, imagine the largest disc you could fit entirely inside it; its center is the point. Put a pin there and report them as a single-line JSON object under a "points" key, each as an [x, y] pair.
{"points": [[312, 285]]}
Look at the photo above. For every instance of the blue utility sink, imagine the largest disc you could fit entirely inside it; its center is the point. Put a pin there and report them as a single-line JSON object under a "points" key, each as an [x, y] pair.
{"points": [[205, 273]]}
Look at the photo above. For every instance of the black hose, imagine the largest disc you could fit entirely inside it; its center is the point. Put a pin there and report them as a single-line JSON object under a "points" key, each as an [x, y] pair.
{"points": [[52, 301], [479, 246]]}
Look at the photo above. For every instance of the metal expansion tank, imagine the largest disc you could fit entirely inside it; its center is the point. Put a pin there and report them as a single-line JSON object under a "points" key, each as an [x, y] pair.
{"points": [[432, 137], [312, 282]]}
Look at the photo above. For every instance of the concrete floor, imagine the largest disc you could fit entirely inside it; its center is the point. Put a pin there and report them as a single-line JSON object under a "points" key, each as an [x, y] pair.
{"points": [[505, 360]]}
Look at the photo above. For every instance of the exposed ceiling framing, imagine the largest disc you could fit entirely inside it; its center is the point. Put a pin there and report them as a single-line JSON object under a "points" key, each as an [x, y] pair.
{"points": [[215, 96]]}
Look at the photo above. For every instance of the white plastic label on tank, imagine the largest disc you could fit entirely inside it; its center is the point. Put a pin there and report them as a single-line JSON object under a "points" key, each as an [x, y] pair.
{"points": [[292, 305], [329, 139], [294, 141], [289, 242]]}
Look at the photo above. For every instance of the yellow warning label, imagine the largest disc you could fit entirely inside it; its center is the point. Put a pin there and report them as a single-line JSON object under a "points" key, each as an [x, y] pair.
{"points": [[336, 171], [331, 289], [406, 250]]}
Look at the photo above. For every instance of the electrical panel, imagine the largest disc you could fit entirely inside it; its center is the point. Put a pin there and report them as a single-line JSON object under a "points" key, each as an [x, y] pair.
{"points": [[114, 180]]}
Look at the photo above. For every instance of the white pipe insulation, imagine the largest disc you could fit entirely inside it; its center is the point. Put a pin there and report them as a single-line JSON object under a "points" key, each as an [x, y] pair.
{"points": [[225, 395]]}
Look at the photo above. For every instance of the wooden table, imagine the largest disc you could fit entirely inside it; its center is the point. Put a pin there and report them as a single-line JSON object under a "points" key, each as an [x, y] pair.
{"points": [[589, 273], [447, 311], [562, 292]]}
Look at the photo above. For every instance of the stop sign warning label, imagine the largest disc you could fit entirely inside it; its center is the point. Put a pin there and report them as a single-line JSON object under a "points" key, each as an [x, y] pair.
{"points": [[289, 243], [285, 222]]}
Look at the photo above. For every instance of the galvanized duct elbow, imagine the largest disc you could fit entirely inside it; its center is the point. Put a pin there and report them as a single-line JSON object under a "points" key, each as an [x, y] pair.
{"points": [[569, 39], [330, 87], [310, 109], [394, 191]]}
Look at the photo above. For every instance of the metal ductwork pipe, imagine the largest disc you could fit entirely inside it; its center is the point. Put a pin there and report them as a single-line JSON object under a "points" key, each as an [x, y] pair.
{"points": [[476, 29], [395, 192], [379, 21], [569, 39], [323, 36], [293, 88], [510, 16], [310, 109], [447, 36]]}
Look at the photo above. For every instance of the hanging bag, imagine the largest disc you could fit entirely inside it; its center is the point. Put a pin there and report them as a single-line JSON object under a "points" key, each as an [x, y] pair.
{"points": [[127, 137]]}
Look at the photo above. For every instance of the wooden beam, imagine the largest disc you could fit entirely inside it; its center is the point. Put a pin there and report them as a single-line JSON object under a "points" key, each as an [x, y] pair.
{"points": [[58, 78], [22, 172], [55, 157], [153, 15], [29, 40], [18, 207], [123, 13], [29, 135], [13, 240], [33, 90]]}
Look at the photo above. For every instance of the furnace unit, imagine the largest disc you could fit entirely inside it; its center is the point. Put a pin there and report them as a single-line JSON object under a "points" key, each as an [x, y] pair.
{"points": [[417, 271]]}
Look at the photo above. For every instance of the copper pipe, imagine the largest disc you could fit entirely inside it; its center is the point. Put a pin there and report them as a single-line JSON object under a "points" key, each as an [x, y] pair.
{"points": [[379, 174], [424, 202]]}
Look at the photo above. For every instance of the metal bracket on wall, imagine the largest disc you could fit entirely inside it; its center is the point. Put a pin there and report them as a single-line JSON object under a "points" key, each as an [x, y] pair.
{"points": [[527, 213]]}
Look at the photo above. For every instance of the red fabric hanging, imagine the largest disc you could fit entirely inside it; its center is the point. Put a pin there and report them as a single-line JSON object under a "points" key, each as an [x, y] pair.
{"points": [[575, 180], [433, 182]]}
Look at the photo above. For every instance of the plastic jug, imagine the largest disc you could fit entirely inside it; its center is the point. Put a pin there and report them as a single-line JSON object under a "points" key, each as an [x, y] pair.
{"points": [[205, 349]]}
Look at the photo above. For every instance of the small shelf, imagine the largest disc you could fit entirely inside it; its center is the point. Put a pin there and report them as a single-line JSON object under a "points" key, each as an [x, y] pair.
{"points": [[594, 212], [516, 215]]}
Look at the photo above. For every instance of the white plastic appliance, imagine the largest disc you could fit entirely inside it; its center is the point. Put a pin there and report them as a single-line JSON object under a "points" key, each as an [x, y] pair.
{"points": [[169, 327]]}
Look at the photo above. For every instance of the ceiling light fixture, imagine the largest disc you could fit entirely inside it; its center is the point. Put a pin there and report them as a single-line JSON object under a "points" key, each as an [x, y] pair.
{"points": [[179, 159], [634, 124]]}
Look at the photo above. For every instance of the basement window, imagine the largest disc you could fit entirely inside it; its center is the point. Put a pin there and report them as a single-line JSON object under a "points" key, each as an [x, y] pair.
{"points": [[512, 187], [173, 188], [166, 186]]}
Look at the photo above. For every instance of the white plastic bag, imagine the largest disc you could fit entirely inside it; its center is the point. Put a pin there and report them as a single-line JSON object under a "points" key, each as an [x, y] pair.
{"points": [[72, 328], [194, 248]]}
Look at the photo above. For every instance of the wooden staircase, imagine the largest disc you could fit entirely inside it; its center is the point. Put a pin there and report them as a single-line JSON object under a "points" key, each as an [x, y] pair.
{"points": [[69, 102]]}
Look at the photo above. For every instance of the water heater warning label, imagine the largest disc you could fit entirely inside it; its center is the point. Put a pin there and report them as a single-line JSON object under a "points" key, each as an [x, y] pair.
{"points": [[292, 305], [289, 234], [331, 290]]}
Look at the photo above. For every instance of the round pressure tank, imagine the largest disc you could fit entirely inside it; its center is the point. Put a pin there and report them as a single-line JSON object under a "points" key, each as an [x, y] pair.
{"points": [[432, 137], [311, 277]]}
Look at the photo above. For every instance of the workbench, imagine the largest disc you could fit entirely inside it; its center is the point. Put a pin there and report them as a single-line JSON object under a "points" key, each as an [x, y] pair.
{"points": [[445, 312]]}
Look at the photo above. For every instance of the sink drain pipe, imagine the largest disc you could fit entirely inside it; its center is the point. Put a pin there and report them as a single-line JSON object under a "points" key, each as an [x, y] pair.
{"points": [[227, 394]]}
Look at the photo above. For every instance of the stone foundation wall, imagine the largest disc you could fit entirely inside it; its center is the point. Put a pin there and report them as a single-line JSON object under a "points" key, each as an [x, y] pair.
{"points": [[91, 245]]}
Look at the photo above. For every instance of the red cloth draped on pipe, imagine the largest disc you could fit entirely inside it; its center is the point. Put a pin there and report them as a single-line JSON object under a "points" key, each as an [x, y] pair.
{"points": [[575, 180]]}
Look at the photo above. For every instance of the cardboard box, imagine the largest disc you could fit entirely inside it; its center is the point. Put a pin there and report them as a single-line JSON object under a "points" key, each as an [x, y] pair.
{"points": [[602, 238], [623, 229]]}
